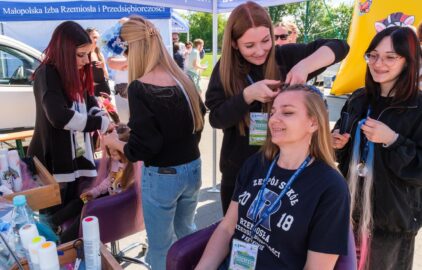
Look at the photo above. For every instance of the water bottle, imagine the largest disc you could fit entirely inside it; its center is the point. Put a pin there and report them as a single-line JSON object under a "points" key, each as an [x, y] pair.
{"points": [[21, 215]]}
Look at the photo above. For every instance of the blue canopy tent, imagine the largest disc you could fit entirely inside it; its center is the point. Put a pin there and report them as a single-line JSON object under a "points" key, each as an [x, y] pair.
{"points": [[212, 6]]}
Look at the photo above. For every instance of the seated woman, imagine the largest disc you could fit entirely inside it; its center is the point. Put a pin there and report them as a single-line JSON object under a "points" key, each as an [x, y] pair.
{"points": [[290, 209]]}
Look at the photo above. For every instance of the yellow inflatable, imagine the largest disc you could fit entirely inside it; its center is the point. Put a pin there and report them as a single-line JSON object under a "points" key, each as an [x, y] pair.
{"points": [[370, 17]]}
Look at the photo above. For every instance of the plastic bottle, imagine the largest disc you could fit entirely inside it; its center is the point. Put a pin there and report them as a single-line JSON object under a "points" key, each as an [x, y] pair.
{"points": [[27, 233], [15, 170], [48, 258], [33, 247], [91, 237], [21, 215]]}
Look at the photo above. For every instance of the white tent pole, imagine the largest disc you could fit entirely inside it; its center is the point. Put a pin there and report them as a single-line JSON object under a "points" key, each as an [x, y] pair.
{"points": [[214, 61]]}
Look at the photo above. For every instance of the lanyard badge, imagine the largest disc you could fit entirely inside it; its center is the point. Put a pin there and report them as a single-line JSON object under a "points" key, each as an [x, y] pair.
{"points": [[362, 167], [258, 124], [261, 201]]}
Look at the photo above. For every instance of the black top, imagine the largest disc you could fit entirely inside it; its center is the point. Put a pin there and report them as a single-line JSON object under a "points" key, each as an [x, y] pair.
{"points": [[397, 188], [313, 214], [161, 126], [57, 122], [101, 84], [179, 60], [227, 112]]}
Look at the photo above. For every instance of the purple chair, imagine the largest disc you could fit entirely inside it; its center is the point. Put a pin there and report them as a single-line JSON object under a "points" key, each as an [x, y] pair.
{"points": [[185, 253], [119, 216]]}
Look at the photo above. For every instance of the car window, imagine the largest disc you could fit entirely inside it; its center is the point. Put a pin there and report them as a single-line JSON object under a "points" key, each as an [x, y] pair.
{"points": [[16, 67]]}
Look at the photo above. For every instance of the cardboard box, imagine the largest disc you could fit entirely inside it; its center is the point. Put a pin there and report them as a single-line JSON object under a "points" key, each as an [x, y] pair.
{"points": [[108, 262], [43, 196]]}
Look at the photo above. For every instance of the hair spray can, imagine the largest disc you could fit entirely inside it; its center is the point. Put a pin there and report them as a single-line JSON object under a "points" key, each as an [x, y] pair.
{"points": [[48, 257], [91, 237], [15, 170]]}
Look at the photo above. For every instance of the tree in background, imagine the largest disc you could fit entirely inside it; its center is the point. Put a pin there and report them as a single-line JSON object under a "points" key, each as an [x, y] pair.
{"points": [[201, 27], [323, 21]]}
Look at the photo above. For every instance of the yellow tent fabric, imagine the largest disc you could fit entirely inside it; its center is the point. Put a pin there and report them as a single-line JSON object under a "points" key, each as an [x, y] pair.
{"points": [[370, 17]]}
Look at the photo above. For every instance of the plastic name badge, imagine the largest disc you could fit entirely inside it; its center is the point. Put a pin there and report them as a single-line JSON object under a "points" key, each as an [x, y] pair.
{"points": [[243, 255], [258, 128]]}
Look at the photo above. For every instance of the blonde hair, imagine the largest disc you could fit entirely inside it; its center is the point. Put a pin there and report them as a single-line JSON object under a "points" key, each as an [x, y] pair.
{"points": [[146, 51], [233, 67], [320, 147]]}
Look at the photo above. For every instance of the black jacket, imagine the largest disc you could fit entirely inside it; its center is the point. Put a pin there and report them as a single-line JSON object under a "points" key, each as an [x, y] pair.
{"points": [[227, 112], [397, 190]]}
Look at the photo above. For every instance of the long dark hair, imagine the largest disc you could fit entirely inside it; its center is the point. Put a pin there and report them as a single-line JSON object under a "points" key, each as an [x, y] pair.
{"points": [[405, 44], [61, 53]]}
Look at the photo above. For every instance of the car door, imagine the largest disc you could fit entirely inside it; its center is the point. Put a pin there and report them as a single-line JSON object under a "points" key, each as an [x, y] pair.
{"points": [[17, 103]]}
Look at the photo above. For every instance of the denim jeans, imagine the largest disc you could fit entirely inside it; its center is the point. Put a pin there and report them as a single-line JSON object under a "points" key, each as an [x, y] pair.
{"points": [[169, 202]]}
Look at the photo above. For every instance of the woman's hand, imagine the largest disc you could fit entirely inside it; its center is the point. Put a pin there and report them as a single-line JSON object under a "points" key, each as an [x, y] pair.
{"points": [[378, 132], [260, 91], [100, 64], [298, 74], [339, 140]]}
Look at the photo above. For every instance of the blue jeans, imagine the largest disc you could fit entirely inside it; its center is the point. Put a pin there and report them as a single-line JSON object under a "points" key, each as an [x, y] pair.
{"points": [[169, 202]]}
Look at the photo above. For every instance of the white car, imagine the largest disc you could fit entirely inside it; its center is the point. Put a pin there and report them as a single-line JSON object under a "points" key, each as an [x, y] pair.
{"points": [[17, 103]]}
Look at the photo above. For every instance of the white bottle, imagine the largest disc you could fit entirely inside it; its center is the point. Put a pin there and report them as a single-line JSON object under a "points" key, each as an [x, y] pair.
{"points": [[48, 258], [27, 233], [33, 248], [91, 237], [15, 170], [4, 170]]}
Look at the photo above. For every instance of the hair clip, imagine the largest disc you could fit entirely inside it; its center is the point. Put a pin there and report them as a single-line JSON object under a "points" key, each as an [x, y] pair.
{"points": [[152, 31]]}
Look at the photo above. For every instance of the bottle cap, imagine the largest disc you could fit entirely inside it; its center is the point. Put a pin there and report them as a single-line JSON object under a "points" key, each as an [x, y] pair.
{"points": [[19, 200], [90, 228], [47, 255], [33, 248], [27, 233]]}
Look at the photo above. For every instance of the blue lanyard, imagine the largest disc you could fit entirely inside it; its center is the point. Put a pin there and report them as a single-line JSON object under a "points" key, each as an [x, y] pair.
{"points": [[260, 201], [365, 151], [249, 78]]}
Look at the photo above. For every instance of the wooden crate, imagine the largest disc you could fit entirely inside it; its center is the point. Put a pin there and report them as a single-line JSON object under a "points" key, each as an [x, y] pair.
{"points": [[108, 262], [43, 196]]}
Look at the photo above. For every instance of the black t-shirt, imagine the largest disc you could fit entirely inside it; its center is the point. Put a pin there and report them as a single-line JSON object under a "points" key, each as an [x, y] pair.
{"points": [[314, 213]]}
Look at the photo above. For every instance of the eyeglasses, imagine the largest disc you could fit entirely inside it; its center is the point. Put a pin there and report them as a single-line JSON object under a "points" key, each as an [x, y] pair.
{"points": [[389, 59], [281, 37]]}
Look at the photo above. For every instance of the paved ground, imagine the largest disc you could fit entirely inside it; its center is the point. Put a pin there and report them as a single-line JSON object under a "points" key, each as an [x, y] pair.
{"points": [[208, 210]]}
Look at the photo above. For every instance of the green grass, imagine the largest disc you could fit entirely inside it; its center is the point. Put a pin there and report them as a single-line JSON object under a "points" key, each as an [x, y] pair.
{"points": [[208, 59]]}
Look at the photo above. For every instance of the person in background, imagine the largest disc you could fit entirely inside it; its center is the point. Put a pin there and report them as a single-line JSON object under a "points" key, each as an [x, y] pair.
{"points": [[189, 48], [66, 109], [291, 204], [383, 162], [194, 66], [281, 34], [293, 30], [242, 81], [176, 39], [166, 121], [177, 56], [99, 69]]}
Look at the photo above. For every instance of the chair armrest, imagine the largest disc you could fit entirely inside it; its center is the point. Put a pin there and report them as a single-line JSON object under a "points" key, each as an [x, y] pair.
{"points": [[186, 252]]}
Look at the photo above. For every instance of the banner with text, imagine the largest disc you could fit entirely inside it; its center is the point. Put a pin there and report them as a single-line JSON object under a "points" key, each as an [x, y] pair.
{"points": [[77, 10]]}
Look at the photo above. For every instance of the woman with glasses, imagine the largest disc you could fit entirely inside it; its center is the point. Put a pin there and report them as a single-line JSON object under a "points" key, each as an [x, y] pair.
{"points": [[381, 151], [290, 209], [242, 81]]}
